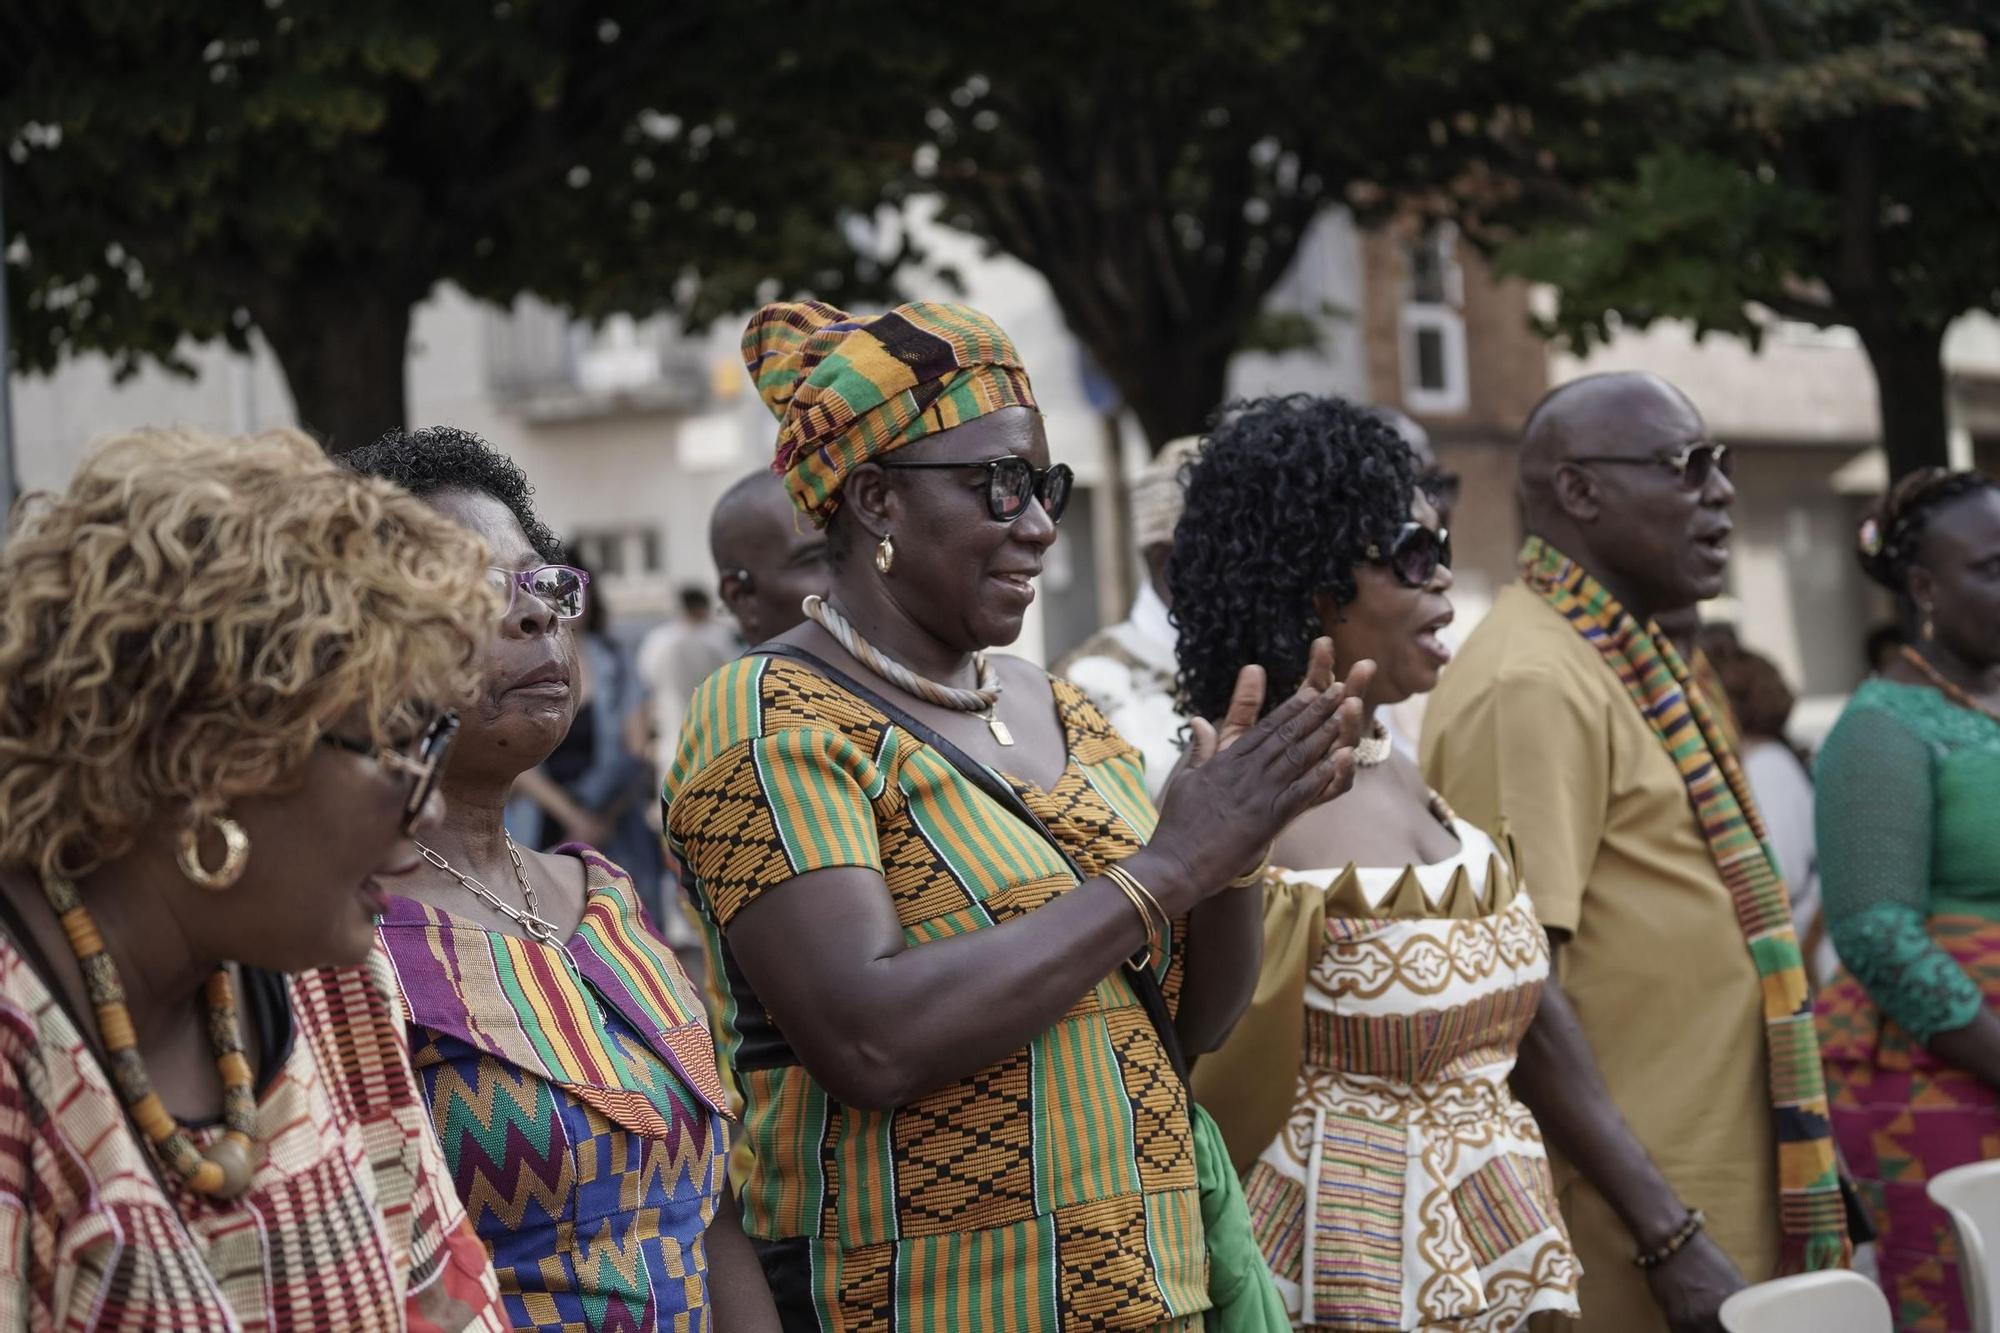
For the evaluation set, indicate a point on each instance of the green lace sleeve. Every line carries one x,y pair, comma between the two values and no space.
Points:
1873,816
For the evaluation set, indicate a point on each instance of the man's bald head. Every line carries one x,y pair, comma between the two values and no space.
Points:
1626,413
1599,482
768,557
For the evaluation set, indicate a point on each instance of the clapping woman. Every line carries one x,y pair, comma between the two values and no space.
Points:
964,952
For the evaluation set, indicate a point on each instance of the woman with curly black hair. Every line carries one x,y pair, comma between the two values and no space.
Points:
1394,1179
1909,856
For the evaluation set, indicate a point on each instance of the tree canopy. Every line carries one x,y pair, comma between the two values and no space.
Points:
1731,162
313,170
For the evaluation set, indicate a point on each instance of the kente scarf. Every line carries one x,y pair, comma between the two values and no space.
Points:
1811,1214
848,388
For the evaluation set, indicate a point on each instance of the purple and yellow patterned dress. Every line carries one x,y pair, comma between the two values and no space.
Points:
574,1090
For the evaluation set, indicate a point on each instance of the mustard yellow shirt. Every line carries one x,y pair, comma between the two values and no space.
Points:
1530,726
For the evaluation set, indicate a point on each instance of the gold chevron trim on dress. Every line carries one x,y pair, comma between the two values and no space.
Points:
1407,901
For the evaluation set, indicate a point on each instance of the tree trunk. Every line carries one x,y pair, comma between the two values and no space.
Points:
343,347
1910,384
1173,389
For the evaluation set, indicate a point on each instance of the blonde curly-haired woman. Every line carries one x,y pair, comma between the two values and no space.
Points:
228,667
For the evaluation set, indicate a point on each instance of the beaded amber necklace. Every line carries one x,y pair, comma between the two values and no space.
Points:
223,1171
1949,688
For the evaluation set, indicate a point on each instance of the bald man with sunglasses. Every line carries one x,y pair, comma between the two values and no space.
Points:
1671,1186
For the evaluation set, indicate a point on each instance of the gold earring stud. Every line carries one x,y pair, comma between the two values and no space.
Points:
235,853
885,553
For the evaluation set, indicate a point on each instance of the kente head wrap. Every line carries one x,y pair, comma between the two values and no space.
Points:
848,388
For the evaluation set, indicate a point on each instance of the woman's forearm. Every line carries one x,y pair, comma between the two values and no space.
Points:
737,1291
1225,943
1975,1048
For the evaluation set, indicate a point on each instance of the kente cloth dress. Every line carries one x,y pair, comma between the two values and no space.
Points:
350,1221
1909,855
1053,1190
574,1090
1409,1189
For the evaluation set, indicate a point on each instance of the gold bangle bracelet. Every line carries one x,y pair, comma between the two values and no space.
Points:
1149,909
1126,885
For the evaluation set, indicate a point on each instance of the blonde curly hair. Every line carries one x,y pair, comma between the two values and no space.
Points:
182,625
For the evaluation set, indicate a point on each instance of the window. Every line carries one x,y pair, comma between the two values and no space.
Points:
616,552
1433,325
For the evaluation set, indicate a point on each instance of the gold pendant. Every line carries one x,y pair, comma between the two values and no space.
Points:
999,729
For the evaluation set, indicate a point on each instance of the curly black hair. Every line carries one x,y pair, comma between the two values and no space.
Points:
1283,502
445,458
1891,537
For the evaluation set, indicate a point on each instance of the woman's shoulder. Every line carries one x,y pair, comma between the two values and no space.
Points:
757,696
1883,711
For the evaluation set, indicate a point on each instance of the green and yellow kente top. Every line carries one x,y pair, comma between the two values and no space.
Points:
1052,1190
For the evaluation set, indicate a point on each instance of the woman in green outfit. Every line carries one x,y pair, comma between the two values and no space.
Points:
962,950
1910,866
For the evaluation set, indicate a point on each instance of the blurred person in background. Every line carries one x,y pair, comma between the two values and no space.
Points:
676,657
1762,703
768,558
1127,669
1909,846
1365,1094
1572,716
229,668
562,1049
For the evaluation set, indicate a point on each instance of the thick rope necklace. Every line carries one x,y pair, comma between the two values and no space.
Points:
222,1170
538,926
980,702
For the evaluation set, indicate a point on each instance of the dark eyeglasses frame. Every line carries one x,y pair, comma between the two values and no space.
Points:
1040,481
1440,487
1680,461
519,585
1412,532
425,769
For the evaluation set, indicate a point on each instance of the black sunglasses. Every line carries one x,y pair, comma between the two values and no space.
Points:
425,768
1693,463
1415,554
1011,482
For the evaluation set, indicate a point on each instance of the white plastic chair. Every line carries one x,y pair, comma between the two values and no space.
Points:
1971,1194
1836,1301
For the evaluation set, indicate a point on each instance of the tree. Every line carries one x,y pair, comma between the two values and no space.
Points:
1732,161
313,170
1160,165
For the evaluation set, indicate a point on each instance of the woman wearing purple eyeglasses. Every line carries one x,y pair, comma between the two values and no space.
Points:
563,1052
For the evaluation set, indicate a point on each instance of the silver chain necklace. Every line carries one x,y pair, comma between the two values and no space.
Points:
532,921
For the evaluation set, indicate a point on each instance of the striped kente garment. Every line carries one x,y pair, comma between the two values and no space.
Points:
1811,1213
350,1221
1409,1188
1054,1189
574,1089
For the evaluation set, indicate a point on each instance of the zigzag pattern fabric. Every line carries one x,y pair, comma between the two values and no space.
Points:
1811,1212
848,388
574,1090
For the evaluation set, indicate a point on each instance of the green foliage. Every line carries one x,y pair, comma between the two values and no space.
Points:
191,168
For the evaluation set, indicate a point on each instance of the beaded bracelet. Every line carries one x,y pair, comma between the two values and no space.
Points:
1674,1243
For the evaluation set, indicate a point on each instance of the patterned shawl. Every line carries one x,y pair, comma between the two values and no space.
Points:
847,388
1811,1213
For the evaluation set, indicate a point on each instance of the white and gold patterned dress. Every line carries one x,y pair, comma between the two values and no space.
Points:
1409,1189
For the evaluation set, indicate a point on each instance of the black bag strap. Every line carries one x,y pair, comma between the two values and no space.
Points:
1144,984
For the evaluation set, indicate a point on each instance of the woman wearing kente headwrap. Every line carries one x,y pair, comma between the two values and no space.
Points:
1909,859
963,951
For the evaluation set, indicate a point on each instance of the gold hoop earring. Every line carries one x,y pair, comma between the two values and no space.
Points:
235,853
885,553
